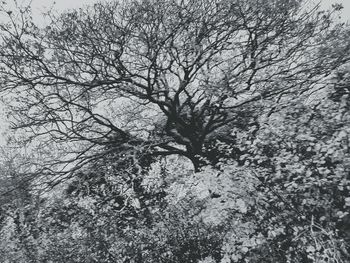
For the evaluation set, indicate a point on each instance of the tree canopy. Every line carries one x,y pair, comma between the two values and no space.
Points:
176,131
167,76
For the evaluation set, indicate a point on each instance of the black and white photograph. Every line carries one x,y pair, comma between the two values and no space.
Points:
174,131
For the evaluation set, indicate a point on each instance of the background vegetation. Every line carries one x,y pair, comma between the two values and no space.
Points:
176,131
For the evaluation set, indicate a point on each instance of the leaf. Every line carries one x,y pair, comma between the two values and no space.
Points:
241,206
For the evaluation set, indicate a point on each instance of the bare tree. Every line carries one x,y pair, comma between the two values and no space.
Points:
158,76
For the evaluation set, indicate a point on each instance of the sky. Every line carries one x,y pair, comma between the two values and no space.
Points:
40,6
345,11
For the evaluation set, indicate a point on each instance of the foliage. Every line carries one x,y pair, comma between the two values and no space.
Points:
101,75
176,131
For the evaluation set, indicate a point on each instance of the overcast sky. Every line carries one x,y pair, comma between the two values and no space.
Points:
41,5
